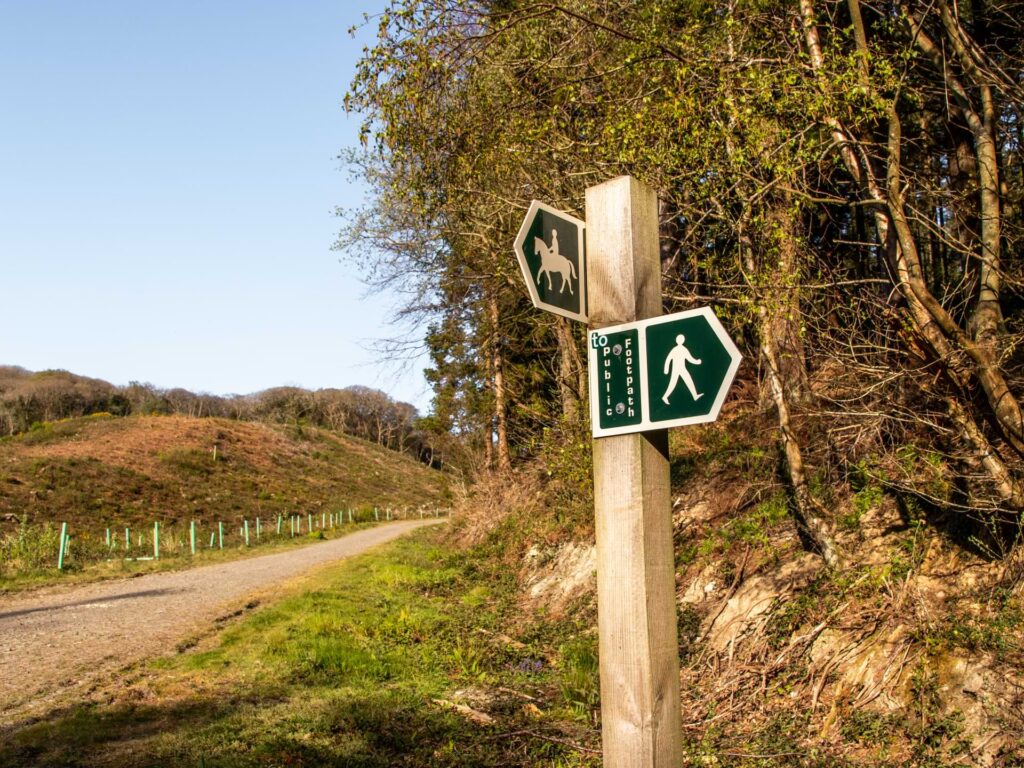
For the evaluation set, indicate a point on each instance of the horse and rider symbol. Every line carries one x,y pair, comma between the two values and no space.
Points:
553,261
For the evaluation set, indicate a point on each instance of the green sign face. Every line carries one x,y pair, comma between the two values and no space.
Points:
686,363
551,254
618,378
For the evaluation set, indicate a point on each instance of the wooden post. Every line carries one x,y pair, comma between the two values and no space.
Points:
636,608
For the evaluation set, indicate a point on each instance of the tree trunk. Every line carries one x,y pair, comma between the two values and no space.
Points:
806,508
781,307
568,367
500,396
778,357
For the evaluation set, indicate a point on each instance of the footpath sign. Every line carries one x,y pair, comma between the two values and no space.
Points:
550,248
645,376
668,371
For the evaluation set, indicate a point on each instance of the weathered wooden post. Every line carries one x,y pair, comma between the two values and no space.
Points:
638,636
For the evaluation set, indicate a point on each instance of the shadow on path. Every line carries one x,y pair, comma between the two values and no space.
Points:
91,601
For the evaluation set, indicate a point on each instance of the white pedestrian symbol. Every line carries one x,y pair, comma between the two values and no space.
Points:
675,368
552,261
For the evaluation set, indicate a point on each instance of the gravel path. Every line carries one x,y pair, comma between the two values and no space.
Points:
61,643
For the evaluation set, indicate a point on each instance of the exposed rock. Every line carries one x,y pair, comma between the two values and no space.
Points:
755,596
556,577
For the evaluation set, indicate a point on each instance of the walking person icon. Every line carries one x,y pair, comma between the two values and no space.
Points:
675,369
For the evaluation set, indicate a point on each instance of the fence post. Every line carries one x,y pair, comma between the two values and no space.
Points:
63,539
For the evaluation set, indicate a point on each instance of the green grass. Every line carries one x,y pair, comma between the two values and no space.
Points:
28,555
349,673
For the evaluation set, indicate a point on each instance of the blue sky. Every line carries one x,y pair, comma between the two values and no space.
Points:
168,177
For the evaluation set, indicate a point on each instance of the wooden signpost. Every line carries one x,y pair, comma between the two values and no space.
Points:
636,609
654,373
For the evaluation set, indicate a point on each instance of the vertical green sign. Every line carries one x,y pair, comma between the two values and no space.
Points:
618,378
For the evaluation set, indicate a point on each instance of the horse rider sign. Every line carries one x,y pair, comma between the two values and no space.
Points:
551,250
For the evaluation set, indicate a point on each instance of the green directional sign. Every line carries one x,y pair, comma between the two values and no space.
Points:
550,248
664,372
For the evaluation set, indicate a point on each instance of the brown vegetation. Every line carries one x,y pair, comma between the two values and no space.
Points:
28,399
100,471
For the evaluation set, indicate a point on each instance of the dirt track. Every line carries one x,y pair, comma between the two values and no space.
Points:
57,645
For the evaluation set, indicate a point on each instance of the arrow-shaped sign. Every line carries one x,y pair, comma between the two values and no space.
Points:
551,250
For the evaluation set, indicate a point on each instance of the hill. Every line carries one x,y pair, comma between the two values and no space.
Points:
100,470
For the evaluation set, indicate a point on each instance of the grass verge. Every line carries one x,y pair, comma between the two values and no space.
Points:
402,657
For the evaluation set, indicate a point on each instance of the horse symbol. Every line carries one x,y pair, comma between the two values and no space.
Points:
552,261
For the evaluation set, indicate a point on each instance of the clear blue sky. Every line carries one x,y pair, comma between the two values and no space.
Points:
168,176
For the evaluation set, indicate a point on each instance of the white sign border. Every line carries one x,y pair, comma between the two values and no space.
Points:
645,424
524,267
